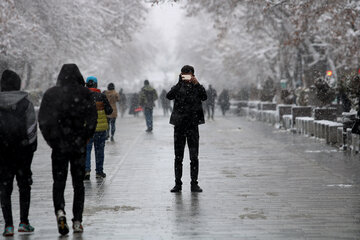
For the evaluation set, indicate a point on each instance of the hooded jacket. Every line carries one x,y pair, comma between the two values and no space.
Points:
67,115
188,99
12,99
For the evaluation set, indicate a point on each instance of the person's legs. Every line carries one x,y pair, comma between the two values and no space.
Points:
179,147
88,154
192,136
99,145
77,169
151,118
24,181
7,174
212,111
112,125
208,110
148,118
60,164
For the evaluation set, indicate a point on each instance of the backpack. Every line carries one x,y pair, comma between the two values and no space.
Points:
13,130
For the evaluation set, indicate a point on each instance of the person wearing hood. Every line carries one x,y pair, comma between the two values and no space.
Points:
148,96
67,120
113,98
18,142
187,114
103,108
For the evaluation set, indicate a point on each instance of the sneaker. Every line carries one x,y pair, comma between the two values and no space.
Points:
61,221
8,231
23,227
77,227
100,175
196,188
176,188
87,176
112,138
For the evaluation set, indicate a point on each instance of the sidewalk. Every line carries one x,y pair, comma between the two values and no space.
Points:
259,183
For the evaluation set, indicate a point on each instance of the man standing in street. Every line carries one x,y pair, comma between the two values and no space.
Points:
148,96
67,120
187,114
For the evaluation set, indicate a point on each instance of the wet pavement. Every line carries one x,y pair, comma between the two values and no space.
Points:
259,183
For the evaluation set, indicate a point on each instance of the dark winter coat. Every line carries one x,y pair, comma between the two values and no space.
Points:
67,115
18,125
187,103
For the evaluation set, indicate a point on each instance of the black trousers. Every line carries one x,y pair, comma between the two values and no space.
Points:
189,134
60,165
15,164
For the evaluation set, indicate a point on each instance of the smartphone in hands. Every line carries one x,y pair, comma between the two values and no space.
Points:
186,77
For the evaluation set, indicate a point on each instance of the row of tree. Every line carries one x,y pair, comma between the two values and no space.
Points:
37,37
297,40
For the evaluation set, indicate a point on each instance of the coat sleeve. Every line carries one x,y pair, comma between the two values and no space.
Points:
48,120
202,92
155,95
91,117
31,127
142,98
172,93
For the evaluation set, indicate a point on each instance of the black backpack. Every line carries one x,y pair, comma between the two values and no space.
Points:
13,130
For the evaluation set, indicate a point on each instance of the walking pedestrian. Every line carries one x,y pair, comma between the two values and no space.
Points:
210,103
67,120
18,142
113,97
134,105
103,108
165,103
122,102
148,96
224,101
187,114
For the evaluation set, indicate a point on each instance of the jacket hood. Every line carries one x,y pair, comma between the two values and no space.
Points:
10,81
10,98
70,75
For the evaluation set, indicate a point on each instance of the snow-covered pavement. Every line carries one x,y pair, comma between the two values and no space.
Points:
258,182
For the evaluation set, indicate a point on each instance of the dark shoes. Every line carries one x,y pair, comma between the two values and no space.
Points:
87,176
112,138
100,175
196,188
175,189
149,130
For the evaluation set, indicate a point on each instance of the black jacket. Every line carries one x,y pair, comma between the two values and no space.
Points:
18,125
67,115
187,103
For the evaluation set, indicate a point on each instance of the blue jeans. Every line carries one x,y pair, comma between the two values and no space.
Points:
111,122
149,118
99,145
